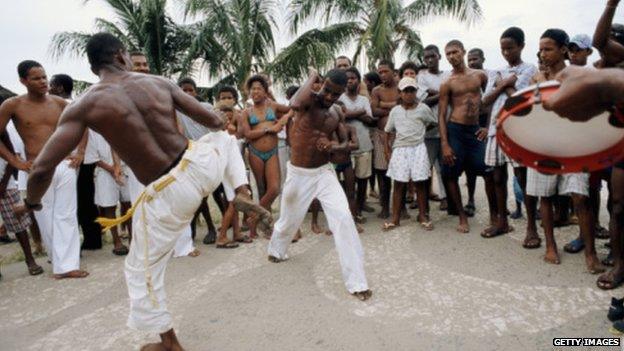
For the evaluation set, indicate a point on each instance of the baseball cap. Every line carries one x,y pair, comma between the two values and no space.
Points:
407,82
583,41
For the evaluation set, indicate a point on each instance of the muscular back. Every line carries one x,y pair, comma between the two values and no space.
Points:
136,115
465,94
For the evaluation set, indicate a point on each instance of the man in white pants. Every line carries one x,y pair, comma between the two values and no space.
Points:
310,176
36,115
135,115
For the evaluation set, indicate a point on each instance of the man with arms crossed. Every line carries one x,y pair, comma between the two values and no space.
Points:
135,113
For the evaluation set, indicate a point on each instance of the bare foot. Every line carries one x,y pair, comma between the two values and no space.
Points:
275,259
531,240
329,232
594,266
72,274
463,228
154,347
194,253
359,228
297,237
317,229
363,295
552,256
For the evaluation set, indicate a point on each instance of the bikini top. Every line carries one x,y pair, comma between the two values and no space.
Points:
269,116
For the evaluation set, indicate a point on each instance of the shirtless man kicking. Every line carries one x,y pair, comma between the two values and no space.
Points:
463,141
36,115
310,175
135,114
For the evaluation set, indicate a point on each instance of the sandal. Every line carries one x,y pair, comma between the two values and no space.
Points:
493,232
228,245
388,226
574,246
36,270
428,225
608,282
602,232
532,243
244,239
122,251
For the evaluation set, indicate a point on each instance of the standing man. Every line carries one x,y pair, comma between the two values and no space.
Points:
36,115
135,114
62,85
384,98
357,111
462,140
310,175
343,63
553,50
429,81
515,76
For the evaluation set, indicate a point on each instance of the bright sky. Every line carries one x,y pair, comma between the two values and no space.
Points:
28,25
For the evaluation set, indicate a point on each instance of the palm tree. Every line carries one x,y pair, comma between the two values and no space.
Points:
234,38
377,27
142,25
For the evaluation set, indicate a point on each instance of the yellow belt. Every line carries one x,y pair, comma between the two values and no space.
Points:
108,223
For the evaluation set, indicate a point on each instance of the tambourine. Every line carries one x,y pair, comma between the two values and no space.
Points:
543,140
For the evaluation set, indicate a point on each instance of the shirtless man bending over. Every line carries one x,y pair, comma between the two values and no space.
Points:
135,113
36,115
310,175
462,139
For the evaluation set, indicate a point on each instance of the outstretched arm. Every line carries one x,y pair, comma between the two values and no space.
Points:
192,108
67,135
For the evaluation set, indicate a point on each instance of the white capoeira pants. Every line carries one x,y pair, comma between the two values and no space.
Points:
58,222
164,210
184,244
302,185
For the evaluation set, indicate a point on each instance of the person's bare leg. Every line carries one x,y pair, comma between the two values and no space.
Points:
315,207
587,226
33,267
257,167
118,246
531,240
169,342
397,200
614,277
490,192
272,181
125,206
454,195
36,235
471,184
228,218
422,197
546,208
501,225
349,184
361,195
385,185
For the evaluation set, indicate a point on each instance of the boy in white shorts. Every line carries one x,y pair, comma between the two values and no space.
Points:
409,159
577,186
110,187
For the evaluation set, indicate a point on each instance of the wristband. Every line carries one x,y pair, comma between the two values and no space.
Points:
32,207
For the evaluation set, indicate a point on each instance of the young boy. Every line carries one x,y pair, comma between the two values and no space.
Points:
409,160
509,79
553,49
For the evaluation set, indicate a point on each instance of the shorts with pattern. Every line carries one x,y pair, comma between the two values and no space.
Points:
540,184
409,163
380,162
495,156
12,222
362,164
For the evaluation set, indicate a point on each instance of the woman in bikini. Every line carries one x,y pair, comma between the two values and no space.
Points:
261,124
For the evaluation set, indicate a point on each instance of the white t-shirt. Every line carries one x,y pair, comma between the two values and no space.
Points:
410,125
428,80
192,129
363,133
90,155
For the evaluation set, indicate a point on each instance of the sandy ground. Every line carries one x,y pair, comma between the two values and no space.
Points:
435,290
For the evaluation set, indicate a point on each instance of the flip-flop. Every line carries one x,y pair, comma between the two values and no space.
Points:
388,226
35,270
244,239
602,232
575,246
228,245
428,226
532,243
608,284
463,230
122,251
494,232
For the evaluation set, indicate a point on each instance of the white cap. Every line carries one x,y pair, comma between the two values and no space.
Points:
406,82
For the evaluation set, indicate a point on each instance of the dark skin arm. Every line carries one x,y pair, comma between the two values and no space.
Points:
612,51
433,97
67,135
304,97
447,153
502,86
192,108
354,143
280,110
7,110
8,170
253,134
378,111
482,132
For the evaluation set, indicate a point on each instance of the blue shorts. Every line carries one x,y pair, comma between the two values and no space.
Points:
469,151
